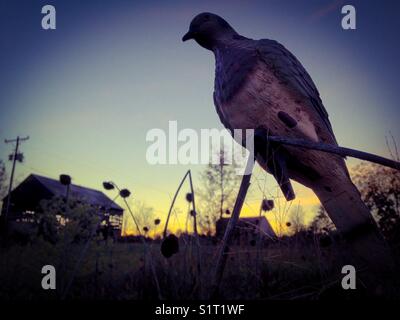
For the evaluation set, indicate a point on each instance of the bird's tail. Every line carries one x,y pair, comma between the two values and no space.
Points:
343,203
352,218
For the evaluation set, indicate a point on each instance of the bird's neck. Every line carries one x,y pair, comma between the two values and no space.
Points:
229,41
223,40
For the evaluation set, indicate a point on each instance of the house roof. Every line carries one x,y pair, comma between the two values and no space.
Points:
92,196
260,223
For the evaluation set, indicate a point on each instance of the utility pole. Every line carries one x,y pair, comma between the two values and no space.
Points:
14,158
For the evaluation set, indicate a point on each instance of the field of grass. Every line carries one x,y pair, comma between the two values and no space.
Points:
290,268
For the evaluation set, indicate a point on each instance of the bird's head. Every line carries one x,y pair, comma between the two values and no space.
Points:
208,29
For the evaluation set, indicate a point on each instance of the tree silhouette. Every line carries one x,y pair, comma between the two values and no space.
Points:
322,223
380,190
218,192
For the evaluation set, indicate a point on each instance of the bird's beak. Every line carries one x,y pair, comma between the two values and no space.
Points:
189,35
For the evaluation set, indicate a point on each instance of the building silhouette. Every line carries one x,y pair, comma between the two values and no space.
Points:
26,201
247,230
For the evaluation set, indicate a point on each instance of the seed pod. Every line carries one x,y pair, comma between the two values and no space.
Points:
65,179
157,221
189,197
267,205
108,185
124,193
170,246
193,213
227,212
288,224
145,229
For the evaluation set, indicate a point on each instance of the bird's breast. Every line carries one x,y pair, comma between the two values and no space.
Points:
264,101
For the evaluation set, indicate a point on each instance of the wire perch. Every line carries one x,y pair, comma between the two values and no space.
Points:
341,151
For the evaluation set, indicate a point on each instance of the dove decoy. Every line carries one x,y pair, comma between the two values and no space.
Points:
261,85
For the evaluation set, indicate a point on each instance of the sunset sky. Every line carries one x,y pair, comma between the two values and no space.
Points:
88,92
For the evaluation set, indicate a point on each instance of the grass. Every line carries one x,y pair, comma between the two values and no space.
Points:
292,268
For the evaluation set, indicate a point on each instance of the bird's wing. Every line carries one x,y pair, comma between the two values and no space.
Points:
290,71
221,116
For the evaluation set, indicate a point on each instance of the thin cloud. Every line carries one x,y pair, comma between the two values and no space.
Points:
325,10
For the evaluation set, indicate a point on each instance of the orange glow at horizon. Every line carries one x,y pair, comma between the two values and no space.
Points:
277,217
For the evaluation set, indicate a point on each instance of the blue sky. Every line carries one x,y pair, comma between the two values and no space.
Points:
88,92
